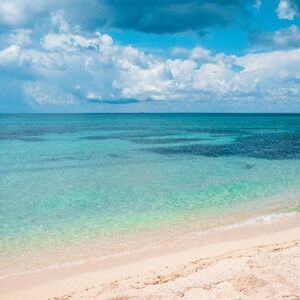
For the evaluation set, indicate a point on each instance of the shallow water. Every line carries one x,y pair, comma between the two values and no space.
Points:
82,185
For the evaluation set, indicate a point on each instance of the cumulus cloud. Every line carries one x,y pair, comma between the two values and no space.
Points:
68,66
282,38
288,9
287,37
18,13
20,37
197,53
10,55
11,13
200,53
42,93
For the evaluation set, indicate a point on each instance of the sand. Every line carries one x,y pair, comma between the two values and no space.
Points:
250,261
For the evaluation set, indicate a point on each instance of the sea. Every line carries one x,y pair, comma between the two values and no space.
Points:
80,186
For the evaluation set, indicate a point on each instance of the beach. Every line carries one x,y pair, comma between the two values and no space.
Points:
248,261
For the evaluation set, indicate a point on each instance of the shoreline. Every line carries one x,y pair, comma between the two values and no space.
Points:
260,219
75,278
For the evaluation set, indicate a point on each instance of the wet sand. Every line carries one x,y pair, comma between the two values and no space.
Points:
247,261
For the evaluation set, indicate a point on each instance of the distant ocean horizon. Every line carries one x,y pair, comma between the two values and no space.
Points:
81,185
150,113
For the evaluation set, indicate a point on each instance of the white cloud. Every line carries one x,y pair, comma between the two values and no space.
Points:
12,13
288,61
257,4
200,53
287,37
43,93
180,51
71,67
17,13
286,10
197,53
20,37
10,55
282,38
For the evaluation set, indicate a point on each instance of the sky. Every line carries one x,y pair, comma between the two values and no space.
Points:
149,56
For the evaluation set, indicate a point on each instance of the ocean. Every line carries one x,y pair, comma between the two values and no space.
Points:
78,186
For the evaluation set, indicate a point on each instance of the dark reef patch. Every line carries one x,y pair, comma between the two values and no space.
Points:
276,146
22,138
147,134
98,138
247,166
151,141
119,156
58,159
128,136
32,139
218,132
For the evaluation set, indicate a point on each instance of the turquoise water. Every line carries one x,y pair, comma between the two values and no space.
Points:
82,185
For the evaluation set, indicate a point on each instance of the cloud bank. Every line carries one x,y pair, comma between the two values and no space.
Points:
68,66
56,54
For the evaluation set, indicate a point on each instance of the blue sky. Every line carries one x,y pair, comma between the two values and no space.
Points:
150,56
